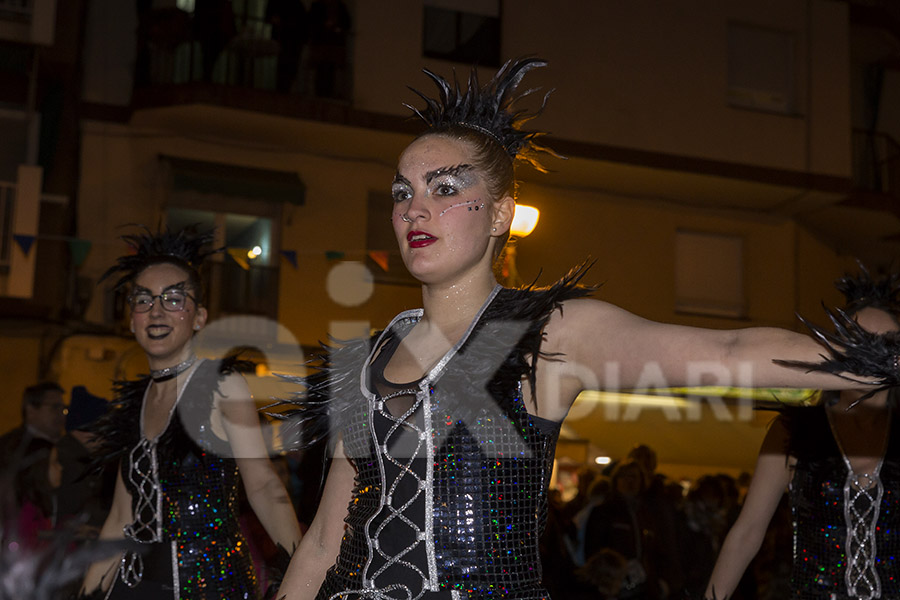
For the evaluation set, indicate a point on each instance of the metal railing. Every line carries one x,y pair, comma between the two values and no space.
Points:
20,9
171,51
876,162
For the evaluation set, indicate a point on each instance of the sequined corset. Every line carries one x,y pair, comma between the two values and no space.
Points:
479,468
194,507
820,528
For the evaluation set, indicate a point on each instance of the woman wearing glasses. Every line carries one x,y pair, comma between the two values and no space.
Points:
185,435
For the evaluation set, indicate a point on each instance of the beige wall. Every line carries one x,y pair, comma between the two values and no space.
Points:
642,74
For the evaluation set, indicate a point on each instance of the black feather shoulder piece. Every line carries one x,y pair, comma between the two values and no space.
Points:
120,428
505,345
319,408
854,353
863,290
503,348
186,246
489,109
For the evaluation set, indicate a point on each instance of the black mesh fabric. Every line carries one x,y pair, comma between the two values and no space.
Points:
199,487
817,505
490,465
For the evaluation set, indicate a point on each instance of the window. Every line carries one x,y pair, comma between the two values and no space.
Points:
245,279
466,31
709,274
244,206
761,69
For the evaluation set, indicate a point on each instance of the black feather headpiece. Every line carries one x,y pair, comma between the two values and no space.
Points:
862,291
187,247
488,109
852,352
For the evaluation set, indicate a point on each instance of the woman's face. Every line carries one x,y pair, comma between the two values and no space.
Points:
445,221
165,335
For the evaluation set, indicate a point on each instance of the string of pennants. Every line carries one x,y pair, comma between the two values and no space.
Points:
80,248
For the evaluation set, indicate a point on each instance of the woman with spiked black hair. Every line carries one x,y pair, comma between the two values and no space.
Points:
840,461
445,424
185,436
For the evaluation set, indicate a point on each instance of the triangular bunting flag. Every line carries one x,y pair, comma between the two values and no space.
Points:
24,242
381,258
291,256
79,250
334,254
240,257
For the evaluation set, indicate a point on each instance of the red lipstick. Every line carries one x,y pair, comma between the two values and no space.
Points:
419,239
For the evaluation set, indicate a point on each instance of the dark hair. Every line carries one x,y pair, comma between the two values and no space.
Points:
485,119
34,394
865,291
185,249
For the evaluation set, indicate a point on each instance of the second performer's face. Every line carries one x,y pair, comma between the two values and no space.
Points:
163,334
876,320
444,218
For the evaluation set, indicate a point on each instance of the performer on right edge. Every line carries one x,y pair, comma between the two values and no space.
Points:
840,461
445,425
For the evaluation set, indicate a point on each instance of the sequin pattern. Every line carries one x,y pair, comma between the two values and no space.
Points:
484,496
199,504
817,494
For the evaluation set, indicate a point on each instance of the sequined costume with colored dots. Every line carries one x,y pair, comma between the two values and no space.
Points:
817,494
450,496
184,488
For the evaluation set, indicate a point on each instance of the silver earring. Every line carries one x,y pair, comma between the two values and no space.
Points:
196,328
494,229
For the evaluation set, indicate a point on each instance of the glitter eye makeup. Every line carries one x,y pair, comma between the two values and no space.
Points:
470,204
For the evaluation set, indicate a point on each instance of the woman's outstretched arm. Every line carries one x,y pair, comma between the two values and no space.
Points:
770,478
601,346
321,544
265,490
102,573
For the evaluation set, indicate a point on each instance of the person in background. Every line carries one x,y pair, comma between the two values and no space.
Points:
85,493
291,30
25,459
186,437
840,461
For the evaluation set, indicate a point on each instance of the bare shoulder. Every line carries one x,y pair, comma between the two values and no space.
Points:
584,319
233,386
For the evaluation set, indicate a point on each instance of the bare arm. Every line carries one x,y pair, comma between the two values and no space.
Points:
265,490
321,544
102,573
605,347
770,478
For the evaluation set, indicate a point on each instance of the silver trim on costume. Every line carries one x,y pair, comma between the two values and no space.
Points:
426,487
149,496
862,506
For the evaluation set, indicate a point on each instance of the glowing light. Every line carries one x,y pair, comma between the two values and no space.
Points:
603,460
524,220
256,251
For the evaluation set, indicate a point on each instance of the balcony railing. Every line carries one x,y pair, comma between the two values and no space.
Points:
16,9
172,49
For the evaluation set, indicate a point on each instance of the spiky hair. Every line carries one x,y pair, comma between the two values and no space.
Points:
488,109
186,247
863,290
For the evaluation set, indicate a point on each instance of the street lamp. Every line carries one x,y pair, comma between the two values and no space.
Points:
524,221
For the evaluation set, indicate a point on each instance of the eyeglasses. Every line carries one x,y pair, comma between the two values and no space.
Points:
172,301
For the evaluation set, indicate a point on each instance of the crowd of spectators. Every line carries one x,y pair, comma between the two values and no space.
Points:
628,533
632,533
